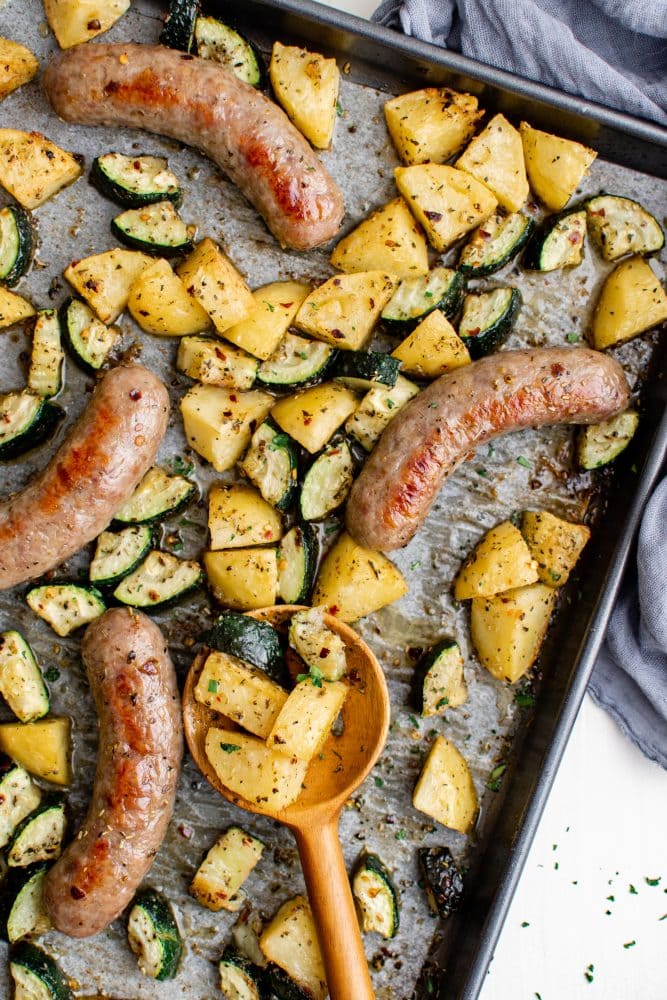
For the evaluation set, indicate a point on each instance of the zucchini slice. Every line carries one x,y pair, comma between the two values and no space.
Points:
40,836
439,682
442,879
297,562
19,795
271,464
17,243
36,975
155,228
599,444
218,880
327,482
21,682
179,25
283,986
119,553
65,606
159,580
26,421
442,288
153,935
296,362
620,226
222,44
133,181
158,494
21,906
377,409
256,642
319,647
240,979
361,370
487,319
45,376
495,243
557,243
89,341
376,897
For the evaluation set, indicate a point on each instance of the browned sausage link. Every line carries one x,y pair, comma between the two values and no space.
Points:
133,682
458,412
95,470
203,104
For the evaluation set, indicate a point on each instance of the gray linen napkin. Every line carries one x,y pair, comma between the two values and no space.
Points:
613,52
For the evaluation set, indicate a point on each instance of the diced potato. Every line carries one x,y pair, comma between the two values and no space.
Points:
431,125
377,409
32,168
276,305
159,303
239,516
445,789
354,581
447,202
244,579
507,630
555,166
433,348
290,940
13,308
495,157
344,310
500,561
213,281
245,695
311,417
214,362
218,423
388,240
306,718
77,21
17,66
43,747
632,301
555,544
105,279
247,767
218,880
306,84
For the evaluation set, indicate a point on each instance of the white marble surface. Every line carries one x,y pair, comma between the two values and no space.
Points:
584,904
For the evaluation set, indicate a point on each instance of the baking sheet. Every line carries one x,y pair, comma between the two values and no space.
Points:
492,486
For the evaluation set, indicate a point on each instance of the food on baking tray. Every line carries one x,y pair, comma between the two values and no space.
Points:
21,682
297,564
487,319
88,340
239,516
250,639
155,229
253,141
135,181
322,650
377,409
445,789
494,244
632,301
459,411
507,629
241,692
388,240
431,124
247,767
296,362
290,940
39,837
313,415
599,444
375,897
119,553
214,284
269,317
555,544
36,974
223,44
13,308
105,279
416,297
305,720
306,85
213,362
77,21
159,581
240,978
439,682
179,26
270,464
555,166
17,66
159,303
500,561
327,482
344,310
19,795
32,168
17,243
244,579
495,157
26,420
447,202
153,935
557,242
43,747
361,370
22,911
47,356
433,348
218,423
442,880
620,226
133,795
353,581
157,495
218,880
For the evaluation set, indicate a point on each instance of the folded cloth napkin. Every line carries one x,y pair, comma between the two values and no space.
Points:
610,51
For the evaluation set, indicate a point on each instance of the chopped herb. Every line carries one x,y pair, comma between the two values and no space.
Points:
379,782
588,973
524,698
315,675
339,109
652,881
442,702
428,295
663,917
400,835
524,462
432,406
414,721
52,674
182,466
611,899
269,305
490,450
632,890
524,923
573,338
415,565
629,944
213,687
303,355
278,441
230,747
331,528
390,404
493,784
482,472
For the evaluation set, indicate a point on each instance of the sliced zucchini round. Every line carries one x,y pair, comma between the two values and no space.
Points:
362,370
256,642
271,464
297,362
17,243
283,986
317,645
22,909
557,243
26,421
297,562
220,43
240,979
155,229
65,606
158,494
119,553
495,243
19,795
153,935
36,975
439,681
40,836
161,579
327,482
21,682
89,341
620,226
442,879
442,288
179,26
134,181
376,897
487,319
45,376
599,444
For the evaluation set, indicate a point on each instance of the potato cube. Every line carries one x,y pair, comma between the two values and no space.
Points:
213,362
276,305
244,694
17,66
43,747
447,202
247,767
105,279
445,789
159,303
388,240
554,543
218,880
555,166
306,84
311,417
76,21
218,423
344,310
13,308
239,516
500,561
495,157
244,579
433,348
354,581
632,301
507,630
290,940
306,718
431,125
32,168
213,281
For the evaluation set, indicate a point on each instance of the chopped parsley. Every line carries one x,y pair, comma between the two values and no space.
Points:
524,698
526,463
632,890
629,944
314,675
400,835
493,784
213,687
230,747
573,338
652,881
482,472
588,973
339,109
415,565
182,466
441,702
379,782
414,721
52,674
524,923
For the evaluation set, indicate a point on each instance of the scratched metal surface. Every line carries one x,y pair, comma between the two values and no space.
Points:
381,817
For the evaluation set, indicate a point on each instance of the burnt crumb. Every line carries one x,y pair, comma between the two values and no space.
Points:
442,879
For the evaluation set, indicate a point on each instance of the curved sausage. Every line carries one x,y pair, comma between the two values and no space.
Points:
201,103
133,682
459,411
93,473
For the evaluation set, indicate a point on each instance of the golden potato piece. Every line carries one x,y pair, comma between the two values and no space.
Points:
431,125
17,66
306,84
495,157
446,201
354,581
507,630
632,301
555,166
500,561
388,240
445,789
77,21
554,543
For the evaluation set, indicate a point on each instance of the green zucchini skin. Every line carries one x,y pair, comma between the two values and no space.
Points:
256,642
235,964
223,44
21,682
297,564
620,226
48,816
430,666
494,330
442,288
327,482
544,250
442,879
179,26
160,494
362,370
26,958
600,444
18,914
139,541
298,362
271,463
70,314
46,419
17,243
140,228
150,591
65,589
160,917
371,868
504,237
283,986
106,175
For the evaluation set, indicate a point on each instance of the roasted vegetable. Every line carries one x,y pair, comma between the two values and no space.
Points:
507,630
495,157
445,789
442,879
306,85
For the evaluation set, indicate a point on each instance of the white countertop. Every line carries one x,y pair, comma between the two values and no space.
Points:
584,903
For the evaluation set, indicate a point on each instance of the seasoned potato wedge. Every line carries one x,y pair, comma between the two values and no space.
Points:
159,303
433,348
311,417
244,579
13,308
238,516
431,125
354,581
218,423
344,310
43,747
276,305
240,692
500,561
554,543
77,21
105,279
377,409
213,281
218,880
632,301
447,202
507,630
290,940
388,240
306,84
445,789
306,718
495,157
213,362
32,168
247,767
555,166
17,66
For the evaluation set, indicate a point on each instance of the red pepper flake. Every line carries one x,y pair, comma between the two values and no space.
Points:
433,216
338,335
77,893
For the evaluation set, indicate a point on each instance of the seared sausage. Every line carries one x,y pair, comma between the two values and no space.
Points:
201,103
92,474
459,411
133,682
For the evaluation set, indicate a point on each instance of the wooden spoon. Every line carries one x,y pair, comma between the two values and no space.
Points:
313,817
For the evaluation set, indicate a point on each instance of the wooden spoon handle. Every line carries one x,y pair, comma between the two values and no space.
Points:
333,910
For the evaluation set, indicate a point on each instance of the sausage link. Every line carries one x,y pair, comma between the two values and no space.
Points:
133,683
201,103
95,470
459,411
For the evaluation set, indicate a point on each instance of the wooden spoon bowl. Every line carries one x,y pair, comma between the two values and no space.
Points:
332,777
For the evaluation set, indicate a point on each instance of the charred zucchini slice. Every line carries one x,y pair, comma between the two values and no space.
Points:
179,25
442,879
297,562
319,647
241,979
271,465
40,836
599,444
89,341
557,243
327,482
133,181
283,986
487,319
256,642
362,370
153,935
17,243
160,580
119,553
494,244
26,421
36,975
442,288
65,606
223,44
158,494
21,682
297,362
439,682
21,907
376,897
156,229
620,226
